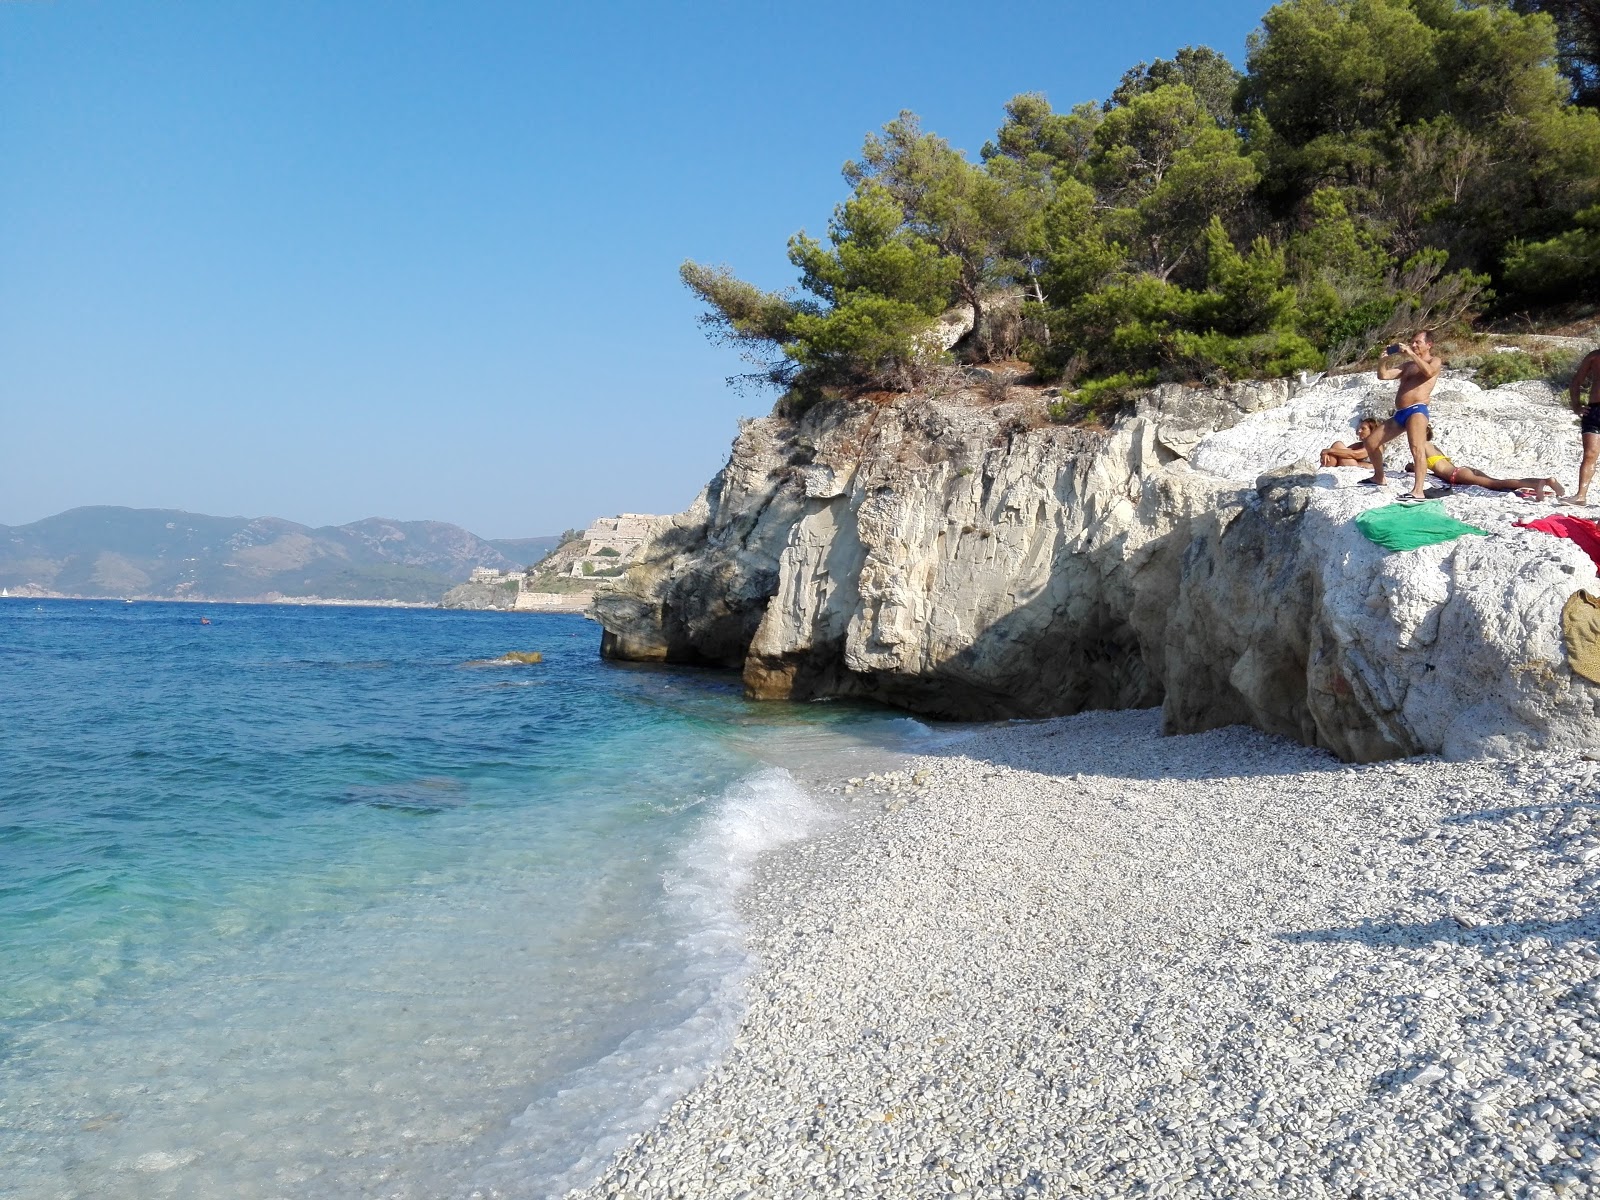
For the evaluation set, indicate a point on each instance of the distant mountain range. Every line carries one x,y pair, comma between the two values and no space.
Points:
167,554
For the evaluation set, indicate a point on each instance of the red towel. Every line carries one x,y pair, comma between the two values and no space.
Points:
1585,533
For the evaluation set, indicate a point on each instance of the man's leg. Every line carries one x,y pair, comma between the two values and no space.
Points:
1374,441
1591,455
1417,435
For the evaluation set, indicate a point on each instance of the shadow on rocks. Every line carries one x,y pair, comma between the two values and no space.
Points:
1109,745
1417,935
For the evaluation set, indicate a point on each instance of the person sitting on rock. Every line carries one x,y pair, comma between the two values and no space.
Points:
1340,455
1440,465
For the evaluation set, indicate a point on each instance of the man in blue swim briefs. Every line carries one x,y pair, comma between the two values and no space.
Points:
1585,397
1417,378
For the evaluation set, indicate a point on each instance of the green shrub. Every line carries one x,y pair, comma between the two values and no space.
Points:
608,552
1508,367
1269,355
1100,395
1512,366
1356,323
1565,266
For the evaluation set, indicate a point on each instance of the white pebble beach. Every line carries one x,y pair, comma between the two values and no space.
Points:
1076,958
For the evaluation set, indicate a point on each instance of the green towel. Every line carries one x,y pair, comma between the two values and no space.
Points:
1408,526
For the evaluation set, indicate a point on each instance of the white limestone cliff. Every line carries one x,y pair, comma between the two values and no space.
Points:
964,558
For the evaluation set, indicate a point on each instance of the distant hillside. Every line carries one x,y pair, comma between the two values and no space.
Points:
525,551
164,553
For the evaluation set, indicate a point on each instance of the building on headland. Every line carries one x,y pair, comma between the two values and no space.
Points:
624,533
612,543
565,579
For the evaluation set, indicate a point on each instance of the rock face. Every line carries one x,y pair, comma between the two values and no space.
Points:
1292,621
482,595
959,556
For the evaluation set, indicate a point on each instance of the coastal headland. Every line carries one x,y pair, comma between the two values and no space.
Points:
953,551
563,580
1301,902
1077,958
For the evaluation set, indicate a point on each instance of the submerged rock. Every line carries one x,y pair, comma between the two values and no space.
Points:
967,559
510,658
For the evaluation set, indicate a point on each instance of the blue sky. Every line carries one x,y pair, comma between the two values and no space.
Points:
326,261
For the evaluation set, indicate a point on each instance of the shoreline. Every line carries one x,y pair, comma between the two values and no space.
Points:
280,602
1083,959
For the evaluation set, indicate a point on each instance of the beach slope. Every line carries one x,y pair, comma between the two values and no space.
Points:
1078,958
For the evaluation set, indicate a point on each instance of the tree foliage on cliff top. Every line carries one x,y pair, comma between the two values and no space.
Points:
1379,164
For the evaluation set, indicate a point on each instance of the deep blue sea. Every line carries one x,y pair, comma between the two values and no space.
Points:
305,903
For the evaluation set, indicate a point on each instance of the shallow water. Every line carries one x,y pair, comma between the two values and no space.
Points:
298,903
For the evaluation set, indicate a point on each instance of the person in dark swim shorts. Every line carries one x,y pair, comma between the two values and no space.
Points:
1587,377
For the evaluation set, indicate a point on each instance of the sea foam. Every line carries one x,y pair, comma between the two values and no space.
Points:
564,1139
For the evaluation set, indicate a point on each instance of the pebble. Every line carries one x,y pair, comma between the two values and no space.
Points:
1075,958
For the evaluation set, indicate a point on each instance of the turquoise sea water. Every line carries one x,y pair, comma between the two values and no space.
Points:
300,903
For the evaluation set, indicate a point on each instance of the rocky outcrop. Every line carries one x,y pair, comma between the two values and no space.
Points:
960,556
500,594
1292,621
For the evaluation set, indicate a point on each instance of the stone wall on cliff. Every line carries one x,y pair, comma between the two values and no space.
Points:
959,556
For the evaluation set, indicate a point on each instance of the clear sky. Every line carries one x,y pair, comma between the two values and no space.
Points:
348,258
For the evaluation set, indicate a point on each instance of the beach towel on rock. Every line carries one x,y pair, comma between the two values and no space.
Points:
1409,526
1580,632
1585,533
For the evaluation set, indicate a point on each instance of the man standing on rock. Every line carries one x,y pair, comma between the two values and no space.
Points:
1588,373
1417,378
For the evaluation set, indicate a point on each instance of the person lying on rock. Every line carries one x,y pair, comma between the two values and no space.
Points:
1340,455
1417,378
1587,379
1440,465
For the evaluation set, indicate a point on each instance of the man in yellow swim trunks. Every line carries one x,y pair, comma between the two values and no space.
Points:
1417,378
